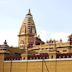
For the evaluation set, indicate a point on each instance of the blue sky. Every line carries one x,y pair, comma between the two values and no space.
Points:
53,18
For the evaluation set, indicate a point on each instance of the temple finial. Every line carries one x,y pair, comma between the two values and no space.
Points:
5,42
29,12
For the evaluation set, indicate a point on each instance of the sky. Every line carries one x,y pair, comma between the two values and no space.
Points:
53,19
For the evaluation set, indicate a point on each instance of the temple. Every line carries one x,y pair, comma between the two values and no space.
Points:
31,47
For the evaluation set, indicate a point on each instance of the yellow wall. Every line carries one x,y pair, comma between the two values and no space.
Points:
1,66
36,66
1,56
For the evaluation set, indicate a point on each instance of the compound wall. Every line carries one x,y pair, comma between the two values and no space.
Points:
37,66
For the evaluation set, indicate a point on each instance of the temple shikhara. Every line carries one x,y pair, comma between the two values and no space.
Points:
31,47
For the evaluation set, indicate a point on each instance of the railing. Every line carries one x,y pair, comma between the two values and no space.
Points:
66,44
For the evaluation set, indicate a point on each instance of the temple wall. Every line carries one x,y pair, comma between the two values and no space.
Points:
1,66
37,66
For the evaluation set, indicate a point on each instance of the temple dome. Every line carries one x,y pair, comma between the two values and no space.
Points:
28,25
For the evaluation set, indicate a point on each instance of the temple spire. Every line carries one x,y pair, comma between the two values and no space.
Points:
29,12
27,30
5,42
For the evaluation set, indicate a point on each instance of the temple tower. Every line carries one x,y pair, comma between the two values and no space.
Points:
27,32
4,51
70,39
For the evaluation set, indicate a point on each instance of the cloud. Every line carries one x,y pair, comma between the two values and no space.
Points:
11,38
45,35
60,35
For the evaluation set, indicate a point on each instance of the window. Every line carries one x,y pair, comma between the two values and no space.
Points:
22,33
64,50
52,57
61,56
51,49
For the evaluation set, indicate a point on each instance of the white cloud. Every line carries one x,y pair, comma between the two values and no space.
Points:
44,35
60,35
11,38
